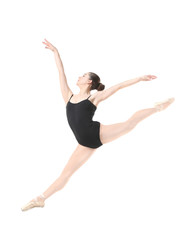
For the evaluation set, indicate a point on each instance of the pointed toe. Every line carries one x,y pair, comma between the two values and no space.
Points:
32,204
160,105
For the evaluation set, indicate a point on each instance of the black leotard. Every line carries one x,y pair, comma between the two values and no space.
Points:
79,116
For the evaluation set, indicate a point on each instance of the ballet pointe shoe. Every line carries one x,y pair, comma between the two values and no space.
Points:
33,203
161,105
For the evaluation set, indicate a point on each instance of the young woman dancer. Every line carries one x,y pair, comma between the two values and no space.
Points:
90,134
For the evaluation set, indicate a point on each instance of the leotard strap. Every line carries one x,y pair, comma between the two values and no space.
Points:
71,97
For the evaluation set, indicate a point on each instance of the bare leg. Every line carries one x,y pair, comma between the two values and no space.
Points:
77,159
111,132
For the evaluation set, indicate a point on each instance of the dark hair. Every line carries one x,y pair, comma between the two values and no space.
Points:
96,84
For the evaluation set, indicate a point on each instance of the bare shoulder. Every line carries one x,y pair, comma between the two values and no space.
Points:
70,93
95,97
67,96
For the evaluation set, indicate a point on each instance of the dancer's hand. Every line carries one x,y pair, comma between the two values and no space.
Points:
49,45
147,77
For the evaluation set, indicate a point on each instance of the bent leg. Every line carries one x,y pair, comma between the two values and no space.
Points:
111,132
77,159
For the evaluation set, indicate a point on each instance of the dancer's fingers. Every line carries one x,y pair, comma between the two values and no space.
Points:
47,44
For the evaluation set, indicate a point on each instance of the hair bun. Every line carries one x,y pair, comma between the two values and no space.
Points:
100,87
96,84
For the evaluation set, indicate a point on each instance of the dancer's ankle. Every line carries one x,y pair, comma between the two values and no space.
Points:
42,196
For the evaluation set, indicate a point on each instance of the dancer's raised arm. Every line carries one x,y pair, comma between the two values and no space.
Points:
65,89
135,80
102,95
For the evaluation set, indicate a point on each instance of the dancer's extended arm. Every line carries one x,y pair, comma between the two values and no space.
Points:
65,89
128,83
102,95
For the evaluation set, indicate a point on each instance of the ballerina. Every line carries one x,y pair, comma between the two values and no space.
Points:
90,134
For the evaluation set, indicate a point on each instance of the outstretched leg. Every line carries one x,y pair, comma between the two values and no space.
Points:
77,159
111,132
108,133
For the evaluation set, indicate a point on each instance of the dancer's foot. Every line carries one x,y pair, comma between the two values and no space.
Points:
164,104
35,202
40,198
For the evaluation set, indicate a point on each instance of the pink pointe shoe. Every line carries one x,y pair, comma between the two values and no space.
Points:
164,104
34,203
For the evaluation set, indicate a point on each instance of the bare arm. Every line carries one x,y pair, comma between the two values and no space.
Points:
65,90
102,95
129,82
110,91
58,61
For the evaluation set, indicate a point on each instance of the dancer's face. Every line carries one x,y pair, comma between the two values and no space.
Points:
84,79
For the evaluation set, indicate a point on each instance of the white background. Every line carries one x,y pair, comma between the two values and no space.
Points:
139,186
